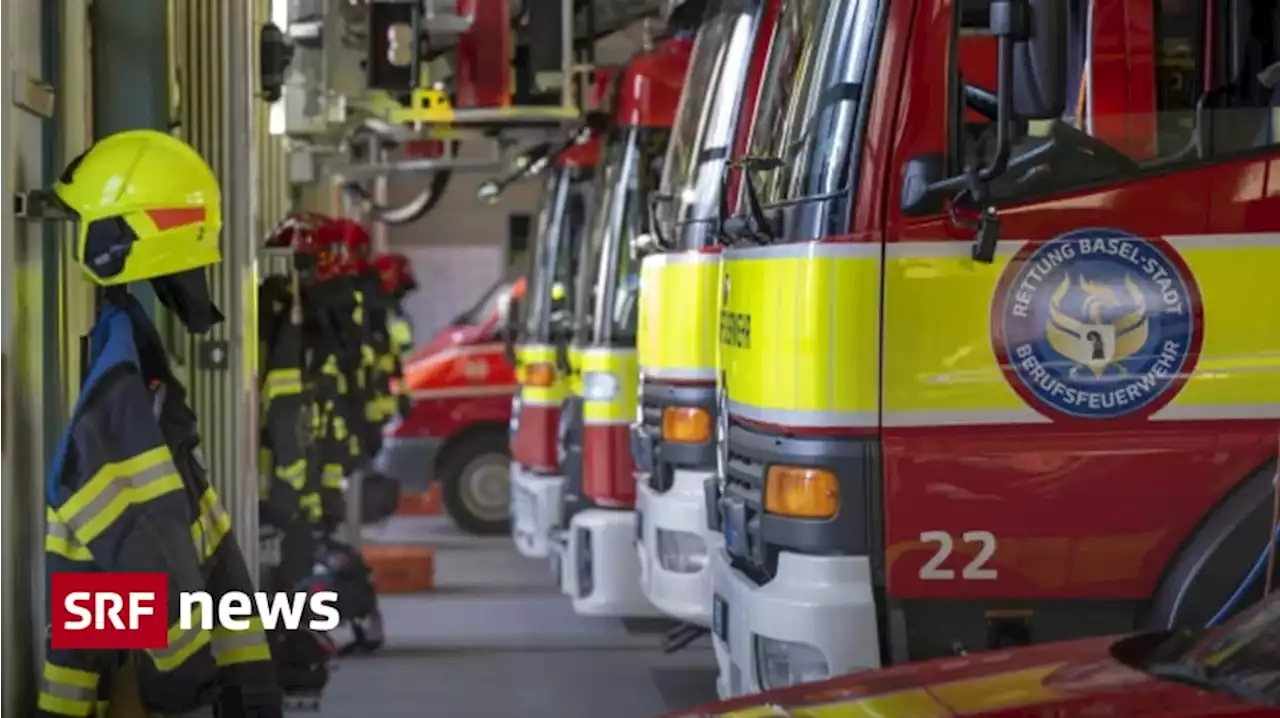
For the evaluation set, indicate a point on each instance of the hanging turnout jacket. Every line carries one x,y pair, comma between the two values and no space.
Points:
380,360
400,334
332,364
127,492
284,420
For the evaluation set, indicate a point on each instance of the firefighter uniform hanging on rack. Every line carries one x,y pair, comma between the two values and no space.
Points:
333,345
362,338
127,490
327,299
302,657
394,278
285,417
397,273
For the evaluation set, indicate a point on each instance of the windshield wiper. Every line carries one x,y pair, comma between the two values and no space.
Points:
1198,677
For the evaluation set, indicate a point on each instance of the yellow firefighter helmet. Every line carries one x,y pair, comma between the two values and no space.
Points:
148,206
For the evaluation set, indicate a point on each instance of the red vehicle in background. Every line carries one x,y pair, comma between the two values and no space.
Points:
1232,671
460,386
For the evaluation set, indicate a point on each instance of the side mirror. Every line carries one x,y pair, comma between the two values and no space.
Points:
1039,54
530,157
489,191
1031,85
644,244
505,304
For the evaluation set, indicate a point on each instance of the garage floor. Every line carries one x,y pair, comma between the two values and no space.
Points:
498,639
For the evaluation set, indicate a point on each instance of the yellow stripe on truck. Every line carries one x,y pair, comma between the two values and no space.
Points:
799,333
966,696
938,353
613,368
679,301
916,703
1238,375
997,692
941,368
554,395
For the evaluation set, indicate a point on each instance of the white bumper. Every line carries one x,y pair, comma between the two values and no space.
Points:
824,603
598,566
535,510
675,571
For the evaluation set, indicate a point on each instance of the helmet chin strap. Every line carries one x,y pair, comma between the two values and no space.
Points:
186,294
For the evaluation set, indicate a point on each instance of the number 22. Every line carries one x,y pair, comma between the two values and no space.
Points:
976,570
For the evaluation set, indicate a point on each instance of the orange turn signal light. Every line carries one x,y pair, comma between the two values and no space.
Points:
802,492
686,424
540,375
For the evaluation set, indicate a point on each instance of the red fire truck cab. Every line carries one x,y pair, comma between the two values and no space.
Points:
999,363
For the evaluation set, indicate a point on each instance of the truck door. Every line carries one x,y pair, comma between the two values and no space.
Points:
1058,421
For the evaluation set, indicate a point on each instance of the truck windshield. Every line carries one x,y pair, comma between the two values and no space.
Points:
560,226
480,312
817,80
604,303
694,168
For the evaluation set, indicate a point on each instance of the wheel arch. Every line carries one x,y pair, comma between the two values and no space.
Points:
1217,554
461,439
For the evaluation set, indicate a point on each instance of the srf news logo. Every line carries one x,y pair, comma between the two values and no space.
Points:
130,611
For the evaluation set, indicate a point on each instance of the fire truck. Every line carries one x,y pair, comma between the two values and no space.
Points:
674,440
459,385
543,320
999,362
593,549
463,382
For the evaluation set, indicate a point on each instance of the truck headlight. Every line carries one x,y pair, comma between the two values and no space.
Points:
599,386
681,551
787,663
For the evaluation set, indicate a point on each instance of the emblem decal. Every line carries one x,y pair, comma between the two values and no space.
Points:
1097,324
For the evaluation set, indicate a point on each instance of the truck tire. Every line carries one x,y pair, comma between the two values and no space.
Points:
476,484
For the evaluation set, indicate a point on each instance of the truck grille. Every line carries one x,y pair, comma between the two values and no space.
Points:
742,514
650,431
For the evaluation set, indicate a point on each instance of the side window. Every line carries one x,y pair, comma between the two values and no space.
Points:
651,152
1192,81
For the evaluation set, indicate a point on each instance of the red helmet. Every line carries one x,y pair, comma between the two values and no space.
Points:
286,234
303,233
388,272
395,273
407,282
352,240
